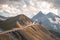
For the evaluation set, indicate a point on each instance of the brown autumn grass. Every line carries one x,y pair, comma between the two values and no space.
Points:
33,32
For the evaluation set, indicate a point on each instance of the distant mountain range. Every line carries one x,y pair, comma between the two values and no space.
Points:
50,21
3,18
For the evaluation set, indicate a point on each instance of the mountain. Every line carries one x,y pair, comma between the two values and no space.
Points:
52,15
26,30
14,22
38,15
54,21
3,18
31,32
49,21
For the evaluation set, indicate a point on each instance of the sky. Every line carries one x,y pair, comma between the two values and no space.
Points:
28,7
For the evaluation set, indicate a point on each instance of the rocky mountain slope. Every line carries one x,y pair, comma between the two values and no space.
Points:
14,22
50,21
32,32
27,30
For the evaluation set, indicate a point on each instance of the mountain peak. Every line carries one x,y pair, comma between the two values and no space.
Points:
21,15
50,14
38,15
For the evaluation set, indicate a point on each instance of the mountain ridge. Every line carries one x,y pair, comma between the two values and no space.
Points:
21,20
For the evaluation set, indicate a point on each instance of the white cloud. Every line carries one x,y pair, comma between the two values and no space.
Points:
27,7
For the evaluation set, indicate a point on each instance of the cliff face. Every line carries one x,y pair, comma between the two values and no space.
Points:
27,30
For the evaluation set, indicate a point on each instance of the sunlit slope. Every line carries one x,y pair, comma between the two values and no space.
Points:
37,32
32,32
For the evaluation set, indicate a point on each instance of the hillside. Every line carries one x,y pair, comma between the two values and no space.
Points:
22,28
14,22
32,32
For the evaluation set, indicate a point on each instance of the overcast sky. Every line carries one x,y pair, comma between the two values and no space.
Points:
16,7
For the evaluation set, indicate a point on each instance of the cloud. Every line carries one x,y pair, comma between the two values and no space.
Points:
7,1
56,3
16,7
14,0
3,1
